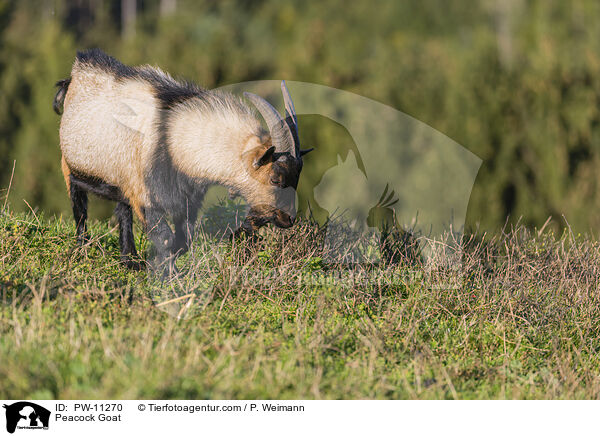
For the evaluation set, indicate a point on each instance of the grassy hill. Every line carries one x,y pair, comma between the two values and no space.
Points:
523,322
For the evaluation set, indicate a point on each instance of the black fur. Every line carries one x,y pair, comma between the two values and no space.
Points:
170,188
172,193
98,187
169,91
163,239
79,203
172,93
167,245
126,240
59,97
175,194
97,58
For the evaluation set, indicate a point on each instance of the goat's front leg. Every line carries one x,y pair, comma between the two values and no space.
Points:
184,232
163,239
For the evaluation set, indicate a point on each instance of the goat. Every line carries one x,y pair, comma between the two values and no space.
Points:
182,140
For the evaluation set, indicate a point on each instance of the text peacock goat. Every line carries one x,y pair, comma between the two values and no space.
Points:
182,140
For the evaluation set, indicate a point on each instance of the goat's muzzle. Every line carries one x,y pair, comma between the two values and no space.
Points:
262,215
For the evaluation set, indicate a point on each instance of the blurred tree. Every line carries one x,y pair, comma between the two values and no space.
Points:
35,145
167,7
517,82
128,17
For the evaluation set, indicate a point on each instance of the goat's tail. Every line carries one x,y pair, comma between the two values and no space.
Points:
59,98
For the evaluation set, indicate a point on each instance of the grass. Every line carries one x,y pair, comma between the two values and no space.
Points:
523,322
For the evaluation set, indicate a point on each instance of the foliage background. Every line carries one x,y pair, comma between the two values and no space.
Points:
516,82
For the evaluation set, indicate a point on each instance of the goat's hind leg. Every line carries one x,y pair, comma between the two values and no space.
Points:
79,203
126,239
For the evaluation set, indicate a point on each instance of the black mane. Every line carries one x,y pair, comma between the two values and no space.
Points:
168,91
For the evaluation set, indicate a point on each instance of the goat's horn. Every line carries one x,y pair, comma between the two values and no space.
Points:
290,113
290,110
281,134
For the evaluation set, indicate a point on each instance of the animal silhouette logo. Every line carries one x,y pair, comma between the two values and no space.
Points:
26,415
382,215
397,243
371,146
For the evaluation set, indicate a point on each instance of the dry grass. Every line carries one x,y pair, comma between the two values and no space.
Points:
518,317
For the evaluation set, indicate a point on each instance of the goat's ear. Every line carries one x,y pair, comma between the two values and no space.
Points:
303,152
265,158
